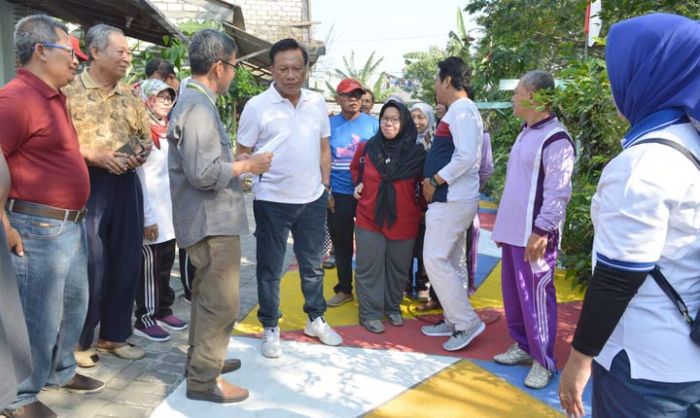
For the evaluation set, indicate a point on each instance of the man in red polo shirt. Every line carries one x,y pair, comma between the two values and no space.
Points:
44,213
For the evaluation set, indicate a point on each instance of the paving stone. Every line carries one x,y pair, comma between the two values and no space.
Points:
116,410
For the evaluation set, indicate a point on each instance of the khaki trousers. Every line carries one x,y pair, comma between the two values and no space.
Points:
215,304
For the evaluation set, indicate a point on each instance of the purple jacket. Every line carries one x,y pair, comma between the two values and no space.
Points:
538,183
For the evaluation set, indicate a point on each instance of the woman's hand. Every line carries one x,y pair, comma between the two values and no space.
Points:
357,194
573,380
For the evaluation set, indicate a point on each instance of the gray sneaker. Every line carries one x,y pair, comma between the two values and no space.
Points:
461,339
441,329
373,325
395,320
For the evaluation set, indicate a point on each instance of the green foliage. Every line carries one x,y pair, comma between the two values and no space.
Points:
522,35
363,74
422,66
243,86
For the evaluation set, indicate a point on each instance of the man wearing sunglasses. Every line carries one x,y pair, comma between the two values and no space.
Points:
44,214
348,129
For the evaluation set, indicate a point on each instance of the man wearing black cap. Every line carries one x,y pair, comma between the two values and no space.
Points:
348,129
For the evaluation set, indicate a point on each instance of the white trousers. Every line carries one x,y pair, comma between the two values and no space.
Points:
446,227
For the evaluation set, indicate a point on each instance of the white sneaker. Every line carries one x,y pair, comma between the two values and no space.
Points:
441,329
538,377
271,347
462,338
319,328
513,355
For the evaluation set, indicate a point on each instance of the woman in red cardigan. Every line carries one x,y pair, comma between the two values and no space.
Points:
387,170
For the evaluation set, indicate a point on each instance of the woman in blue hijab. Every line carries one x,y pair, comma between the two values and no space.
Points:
631,337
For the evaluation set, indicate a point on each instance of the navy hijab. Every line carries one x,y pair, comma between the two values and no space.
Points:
654,68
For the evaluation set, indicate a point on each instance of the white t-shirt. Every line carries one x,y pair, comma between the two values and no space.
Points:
294,134
646,211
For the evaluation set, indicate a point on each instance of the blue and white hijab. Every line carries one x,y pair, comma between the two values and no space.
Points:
654,70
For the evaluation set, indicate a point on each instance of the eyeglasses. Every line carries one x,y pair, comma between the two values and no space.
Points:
234,66
70,50
353,94
166,98
392,121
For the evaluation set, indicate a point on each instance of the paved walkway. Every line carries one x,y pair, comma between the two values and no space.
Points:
135,388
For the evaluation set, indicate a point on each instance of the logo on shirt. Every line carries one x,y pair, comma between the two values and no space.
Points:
348,151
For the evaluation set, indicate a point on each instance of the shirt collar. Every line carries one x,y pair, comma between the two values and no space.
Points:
211,94
653,122
91,84
541,123
37,84
277,97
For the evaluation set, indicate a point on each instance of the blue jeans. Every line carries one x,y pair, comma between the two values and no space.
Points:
307,223
53,288
616,394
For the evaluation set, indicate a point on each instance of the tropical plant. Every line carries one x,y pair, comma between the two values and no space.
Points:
364,74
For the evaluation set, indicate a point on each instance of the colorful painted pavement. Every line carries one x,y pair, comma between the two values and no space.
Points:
400,373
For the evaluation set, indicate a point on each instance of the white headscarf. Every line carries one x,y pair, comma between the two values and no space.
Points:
427,111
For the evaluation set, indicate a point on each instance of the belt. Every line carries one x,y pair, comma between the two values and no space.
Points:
35,209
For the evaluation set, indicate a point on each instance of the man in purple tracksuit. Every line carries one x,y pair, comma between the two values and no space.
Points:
533,205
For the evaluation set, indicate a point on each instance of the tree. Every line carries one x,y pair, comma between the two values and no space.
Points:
363,74
522,35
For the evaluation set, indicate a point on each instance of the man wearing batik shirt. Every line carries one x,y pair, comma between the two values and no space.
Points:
115,138
533,205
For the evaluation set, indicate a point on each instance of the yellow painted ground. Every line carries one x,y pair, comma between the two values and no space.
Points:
488,295
464,390
487,205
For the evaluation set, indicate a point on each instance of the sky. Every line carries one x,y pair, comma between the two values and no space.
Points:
389,27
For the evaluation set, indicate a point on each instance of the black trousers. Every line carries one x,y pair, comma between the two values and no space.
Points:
419,278
341,227
155,297
187,272
114,226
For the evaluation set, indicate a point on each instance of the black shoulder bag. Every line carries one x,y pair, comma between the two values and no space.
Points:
656,273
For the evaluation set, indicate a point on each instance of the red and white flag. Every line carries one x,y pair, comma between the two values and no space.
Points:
593,21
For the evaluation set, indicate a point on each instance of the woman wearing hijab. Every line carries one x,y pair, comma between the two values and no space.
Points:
387,170
155,297
631,336
424,119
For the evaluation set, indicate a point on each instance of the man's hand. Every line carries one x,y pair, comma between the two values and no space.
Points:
573,380
331,202
428,190
150,233
536,246
134,161
357,194
14,241
242,157
114,162
259,163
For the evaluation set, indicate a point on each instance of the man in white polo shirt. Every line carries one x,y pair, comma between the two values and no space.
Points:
292,196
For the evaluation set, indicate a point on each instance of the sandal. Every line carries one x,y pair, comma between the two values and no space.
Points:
428,306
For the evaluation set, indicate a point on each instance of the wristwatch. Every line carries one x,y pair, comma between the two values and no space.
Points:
433,181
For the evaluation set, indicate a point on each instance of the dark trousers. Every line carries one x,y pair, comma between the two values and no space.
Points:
616,394
187,273
341,226
155,297
114,226
418,277
274,221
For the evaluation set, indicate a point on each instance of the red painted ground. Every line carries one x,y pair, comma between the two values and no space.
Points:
494,340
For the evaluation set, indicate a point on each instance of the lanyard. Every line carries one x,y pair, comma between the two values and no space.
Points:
201,90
